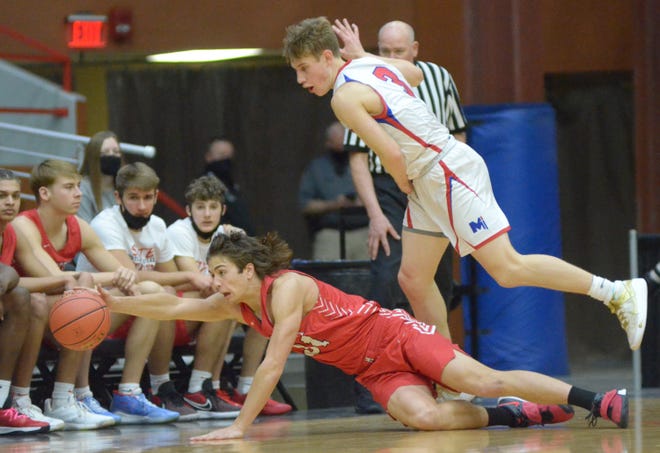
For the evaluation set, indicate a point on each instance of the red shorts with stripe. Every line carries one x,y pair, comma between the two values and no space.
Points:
413,358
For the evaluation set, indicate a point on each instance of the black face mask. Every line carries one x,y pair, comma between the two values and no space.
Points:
200,233
110,165
339,162
133,222
222,169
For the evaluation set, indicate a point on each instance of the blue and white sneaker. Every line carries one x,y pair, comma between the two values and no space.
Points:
95,407
137,409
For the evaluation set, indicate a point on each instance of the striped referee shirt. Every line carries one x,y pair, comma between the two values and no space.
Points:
439,93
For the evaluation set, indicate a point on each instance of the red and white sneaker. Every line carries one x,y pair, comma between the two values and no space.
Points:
13,422
529,414
272,407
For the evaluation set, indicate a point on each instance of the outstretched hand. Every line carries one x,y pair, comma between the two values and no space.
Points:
230,432
350,36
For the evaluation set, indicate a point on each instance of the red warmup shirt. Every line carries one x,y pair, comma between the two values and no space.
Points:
343,330
73,242
8,245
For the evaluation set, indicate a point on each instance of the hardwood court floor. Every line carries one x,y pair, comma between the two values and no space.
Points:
340,430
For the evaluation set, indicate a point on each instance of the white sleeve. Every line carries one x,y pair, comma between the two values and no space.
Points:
112,234
164,246
182,244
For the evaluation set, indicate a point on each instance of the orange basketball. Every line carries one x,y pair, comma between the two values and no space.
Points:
80,320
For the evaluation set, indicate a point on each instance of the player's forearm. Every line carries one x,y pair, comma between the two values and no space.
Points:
395,165
165,278
265,380
364,186
161,306
52,284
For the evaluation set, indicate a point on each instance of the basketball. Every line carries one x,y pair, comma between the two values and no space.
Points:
80,320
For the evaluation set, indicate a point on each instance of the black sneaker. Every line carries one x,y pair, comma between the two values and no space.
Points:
209,405
529,414
168,398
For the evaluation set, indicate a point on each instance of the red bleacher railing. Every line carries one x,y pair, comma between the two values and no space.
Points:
51,56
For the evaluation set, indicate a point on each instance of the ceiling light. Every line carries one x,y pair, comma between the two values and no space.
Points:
203,55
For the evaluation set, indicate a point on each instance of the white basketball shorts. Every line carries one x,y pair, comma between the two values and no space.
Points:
455,198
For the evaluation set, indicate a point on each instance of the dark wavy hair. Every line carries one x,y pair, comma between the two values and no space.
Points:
268,253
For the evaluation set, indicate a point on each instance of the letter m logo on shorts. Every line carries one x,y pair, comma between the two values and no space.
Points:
480,224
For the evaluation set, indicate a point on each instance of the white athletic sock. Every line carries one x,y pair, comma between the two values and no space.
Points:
197,377
82,392
4,391
216,384
244,384
62,392
129,388
156,380
602,289
17,392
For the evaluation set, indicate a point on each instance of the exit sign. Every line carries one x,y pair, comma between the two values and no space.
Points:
86,31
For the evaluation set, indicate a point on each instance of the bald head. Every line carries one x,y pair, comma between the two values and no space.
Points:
396,39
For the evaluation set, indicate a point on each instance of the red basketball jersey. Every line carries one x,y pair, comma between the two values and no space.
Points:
73,242
343,330
8,245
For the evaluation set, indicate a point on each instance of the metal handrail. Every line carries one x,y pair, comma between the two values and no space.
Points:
146,151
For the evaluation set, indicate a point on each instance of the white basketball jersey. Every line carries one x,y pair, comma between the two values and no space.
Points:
405,117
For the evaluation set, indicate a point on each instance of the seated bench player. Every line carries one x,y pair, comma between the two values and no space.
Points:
49,237
190,239
138,240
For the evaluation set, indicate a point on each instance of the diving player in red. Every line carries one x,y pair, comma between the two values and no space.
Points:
393,355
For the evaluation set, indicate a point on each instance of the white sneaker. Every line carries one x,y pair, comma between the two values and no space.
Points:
23,405
76,416
630,308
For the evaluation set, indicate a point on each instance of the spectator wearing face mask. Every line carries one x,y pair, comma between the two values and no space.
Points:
219,158
103,158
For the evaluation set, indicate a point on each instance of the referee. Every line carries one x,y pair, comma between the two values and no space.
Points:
384,202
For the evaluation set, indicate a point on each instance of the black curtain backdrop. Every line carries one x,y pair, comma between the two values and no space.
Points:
597,198
275,125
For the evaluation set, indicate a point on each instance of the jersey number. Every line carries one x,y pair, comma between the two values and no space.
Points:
385,74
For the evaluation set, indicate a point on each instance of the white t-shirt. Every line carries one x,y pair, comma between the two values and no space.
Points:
185,242
146,247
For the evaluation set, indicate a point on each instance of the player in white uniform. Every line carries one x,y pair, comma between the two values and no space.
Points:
447,182
190,239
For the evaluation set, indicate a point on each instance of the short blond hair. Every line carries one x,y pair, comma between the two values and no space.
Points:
46,173
310,37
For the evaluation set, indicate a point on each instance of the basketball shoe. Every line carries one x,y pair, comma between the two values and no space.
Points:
76,416
209,404
630,308
136,408
526,413
272,407
612,406
13,422
95,407
24,406
168,398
